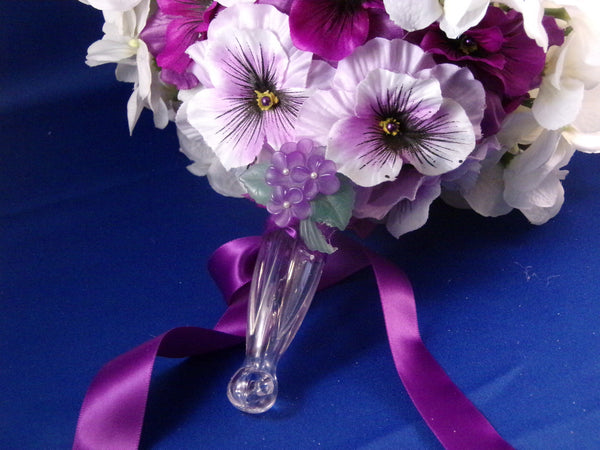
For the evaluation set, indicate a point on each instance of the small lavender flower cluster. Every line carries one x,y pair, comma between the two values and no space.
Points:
297,174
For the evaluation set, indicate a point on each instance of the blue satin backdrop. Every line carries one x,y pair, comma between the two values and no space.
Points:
104,242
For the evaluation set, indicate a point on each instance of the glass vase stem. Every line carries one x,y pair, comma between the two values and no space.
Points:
285,279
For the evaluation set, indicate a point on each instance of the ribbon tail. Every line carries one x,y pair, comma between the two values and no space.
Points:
450,415
113,410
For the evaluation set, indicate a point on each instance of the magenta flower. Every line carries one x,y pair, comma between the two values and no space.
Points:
332,29
189,20
288,205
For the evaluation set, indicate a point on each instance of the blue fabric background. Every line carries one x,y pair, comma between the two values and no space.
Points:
103,245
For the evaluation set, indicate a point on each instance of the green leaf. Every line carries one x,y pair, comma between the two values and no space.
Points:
335,210
558,13
313,237
253,180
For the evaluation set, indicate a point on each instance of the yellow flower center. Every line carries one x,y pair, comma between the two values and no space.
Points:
390,126
266,100
134,43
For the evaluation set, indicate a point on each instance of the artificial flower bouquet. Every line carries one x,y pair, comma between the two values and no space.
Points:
326,111
346,114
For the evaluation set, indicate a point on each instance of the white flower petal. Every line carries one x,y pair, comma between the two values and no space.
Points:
555,108
225,182
449,145
486,197
320,112
112,5
533,13
413,14
533,178
109,50
585,142
134,109
460,15
396,55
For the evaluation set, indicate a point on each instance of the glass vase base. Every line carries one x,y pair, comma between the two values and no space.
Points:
252,390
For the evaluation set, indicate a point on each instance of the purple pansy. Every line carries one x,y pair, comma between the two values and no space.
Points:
390,104
254,82
332,29
288,205
500,55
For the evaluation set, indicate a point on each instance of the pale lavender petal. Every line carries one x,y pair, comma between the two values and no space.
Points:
356,157
396,55
408,215
320,112
328,184
451,139
399,89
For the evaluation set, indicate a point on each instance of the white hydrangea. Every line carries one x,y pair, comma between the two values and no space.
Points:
531,180
570,94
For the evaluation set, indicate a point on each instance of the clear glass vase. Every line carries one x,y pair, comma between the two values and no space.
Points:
285,279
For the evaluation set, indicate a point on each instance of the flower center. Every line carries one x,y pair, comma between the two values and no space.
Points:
134,43
314,175
390,126
266,100
286,205
467,45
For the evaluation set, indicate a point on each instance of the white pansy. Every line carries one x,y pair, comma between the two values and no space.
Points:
121,45
569,95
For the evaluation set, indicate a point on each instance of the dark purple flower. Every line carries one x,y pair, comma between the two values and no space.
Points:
499,54
332,29
288,205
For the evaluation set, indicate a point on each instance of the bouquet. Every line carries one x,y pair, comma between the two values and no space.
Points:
338,115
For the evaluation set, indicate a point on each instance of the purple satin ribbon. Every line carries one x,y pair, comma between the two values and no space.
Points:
113,410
